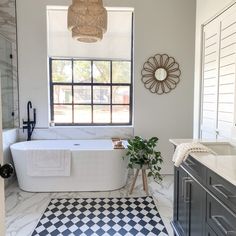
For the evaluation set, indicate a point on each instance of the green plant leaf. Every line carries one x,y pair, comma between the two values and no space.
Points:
149,174
142,152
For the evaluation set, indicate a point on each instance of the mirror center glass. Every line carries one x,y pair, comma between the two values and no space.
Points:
160,74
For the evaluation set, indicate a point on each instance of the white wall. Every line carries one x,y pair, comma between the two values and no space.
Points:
206,10
160,27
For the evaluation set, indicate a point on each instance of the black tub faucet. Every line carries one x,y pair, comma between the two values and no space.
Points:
29,125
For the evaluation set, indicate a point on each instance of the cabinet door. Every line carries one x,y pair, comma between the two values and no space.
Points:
181,206
220,218
197,198
209,231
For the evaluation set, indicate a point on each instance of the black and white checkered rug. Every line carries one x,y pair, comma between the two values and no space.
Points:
101,216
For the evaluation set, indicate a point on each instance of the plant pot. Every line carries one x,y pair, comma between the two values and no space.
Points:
144,167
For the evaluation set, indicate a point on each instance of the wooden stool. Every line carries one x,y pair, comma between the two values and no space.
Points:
144,177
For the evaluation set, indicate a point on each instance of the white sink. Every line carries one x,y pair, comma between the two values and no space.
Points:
221,148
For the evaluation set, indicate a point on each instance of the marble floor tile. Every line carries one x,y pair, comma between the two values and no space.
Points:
24,209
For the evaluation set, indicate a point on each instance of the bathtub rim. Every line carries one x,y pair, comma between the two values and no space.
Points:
24,145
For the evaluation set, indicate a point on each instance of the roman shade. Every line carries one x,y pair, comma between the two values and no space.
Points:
116,43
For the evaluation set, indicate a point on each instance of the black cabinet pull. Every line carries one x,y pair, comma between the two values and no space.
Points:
187,198
183,185
187,189
217,220
222,190
188,162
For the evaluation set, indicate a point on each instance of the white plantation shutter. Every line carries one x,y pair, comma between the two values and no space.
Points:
219,75
116,43
227,67
210,81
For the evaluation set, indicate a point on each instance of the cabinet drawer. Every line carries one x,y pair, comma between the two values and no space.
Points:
221,188
219,218
196,169
209,231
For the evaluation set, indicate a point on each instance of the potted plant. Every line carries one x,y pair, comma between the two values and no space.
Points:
142,154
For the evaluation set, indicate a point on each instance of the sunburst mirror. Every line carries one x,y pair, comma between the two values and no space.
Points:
160,74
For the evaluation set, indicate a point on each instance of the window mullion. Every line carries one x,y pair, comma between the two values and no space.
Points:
51,90
131,74
72,87
92,91
111,92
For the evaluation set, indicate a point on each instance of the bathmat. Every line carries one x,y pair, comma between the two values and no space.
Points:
101,216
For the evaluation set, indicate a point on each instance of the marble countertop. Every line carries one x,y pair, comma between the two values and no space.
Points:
223,165
179,141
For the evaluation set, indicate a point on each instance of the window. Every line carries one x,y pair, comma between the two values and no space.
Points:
85,92
91,84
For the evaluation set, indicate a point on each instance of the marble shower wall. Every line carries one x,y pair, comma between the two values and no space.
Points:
6,77
8,30
94,132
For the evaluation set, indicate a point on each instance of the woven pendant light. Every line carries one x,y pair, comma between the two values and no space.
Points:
87,19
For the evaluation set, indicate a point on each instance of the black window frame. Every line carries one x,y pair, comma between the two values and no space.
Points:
110,84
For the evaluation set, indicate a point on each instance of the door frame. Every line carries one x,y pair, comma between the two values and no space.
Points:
2,188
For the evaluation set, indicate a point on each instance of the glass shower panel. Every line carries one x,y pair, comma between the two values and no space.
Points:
6,76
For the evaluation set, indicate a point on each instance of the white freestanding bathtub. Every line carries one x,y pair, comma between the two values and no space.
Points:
95,166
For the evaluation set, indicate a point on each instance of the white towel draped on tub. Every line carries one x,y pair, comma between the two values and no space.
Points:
49,162
183,150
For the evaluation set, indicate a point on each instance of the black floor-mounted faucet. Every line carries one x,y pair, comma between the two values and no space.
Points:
29,125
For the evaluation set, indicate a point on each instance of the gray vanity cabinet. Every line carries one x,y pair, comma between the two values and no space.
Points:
209,231
204,202
181,208
219,218
197,206
188,205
